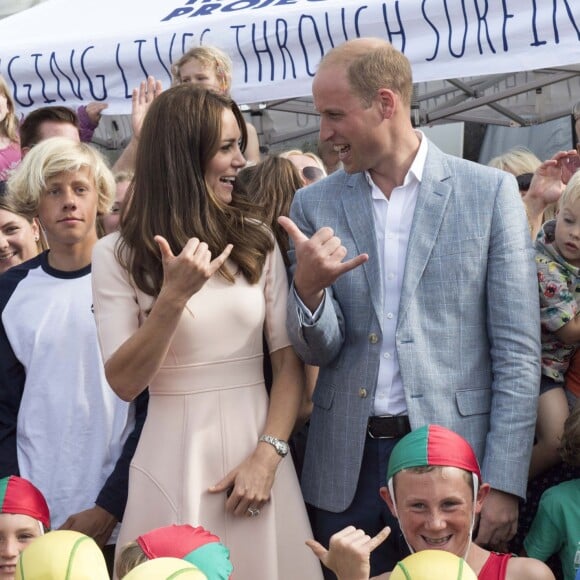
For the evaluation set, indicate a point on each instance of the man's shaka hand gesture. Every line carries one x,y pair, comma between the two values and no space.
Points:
319,261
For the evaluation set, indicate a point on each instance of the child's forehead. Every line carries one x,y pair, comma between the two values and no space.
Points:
571,205
204,62
20,521
83,173
428,475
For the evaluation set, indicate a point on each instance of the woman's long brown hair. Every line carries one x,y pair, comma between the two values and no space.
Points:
169,196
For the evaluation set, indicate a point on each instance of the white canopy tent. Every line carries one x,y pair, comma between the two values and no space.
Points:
9,7
511,62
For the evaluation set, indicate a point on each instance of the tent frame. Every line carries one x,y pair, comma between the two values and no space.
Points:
490,99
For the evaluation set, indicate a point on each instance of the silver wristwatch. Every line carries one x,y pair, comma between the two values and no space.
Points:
280,446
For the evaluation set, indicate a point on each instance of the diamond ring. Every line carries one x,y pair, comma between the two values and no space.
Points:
253,512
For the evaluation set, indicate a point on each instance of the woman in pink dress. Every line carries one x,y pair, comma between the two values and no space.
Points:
183,295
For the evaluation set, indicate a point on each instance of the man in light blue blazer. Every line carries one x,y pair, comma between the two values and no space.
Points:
415,293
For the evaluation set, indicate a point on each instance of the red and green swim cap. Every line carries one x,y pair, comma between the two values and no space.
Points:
19,496
432,445
195,545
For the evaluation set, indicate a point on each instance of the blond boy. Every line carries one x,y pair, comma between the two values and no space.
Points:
61,426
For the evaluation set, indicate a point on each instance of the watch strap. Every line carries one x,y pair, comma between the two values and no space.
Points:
279,445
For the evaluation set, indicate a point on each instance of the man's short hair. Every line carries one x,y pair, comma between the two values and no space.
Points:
372,64
30,127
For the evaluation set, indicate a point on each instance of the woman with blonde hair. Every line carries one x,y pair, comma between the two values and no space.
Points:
10,153
212,68
183,294
309,165
516,161
523,164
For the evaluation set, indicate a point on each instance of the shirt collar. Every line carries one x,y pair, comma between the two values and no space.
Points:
416,169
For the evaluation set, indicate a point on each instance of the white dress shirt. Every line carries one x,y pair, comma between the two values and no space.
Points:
393,219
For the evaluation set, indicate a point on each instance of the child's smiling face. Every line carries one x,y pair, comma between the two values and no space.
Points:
436,508
16,532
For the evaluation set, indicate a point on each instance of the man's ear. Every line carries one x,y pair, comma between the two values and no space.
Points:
388,100
384,491
482,493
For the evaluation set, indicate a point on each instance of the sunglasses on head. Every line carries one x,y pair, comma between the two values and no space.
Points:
312,173
524,181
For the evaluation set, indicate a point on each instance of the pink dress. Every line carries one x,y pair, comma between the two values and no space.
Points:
9,158
207,408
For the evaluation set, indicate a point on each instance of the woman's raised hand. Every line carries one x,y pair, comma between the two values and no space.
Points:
551,177
186,273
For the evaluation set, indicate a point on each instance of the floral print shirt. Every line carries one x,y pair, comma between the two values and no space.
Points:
559,287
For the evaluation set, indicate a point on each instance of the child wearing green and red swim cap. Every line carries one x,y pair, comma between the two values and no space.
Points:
435,490
24,516
193,544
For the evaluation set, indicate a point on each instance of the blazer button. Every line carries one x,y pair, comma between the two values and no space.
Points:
362,393
373,338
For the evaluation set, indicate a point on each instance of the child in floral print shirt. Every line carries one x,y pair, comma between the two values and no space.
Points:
558,263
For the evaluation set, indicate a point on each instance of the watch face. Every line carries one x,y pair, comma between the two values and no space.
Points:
280,446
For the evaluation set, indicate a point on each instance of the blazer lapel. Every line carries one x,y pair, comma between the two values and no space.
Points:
433,196
358,209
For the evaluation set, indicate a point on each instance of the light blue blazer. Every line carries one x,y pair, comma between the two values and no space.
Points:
468,333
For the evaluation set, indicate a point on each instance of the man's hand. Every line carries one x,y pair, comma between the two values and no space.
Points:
349,552
319,261
498,521
94,522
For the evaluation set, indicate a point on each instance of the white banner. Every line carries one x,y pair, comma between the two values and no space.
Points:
64,52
